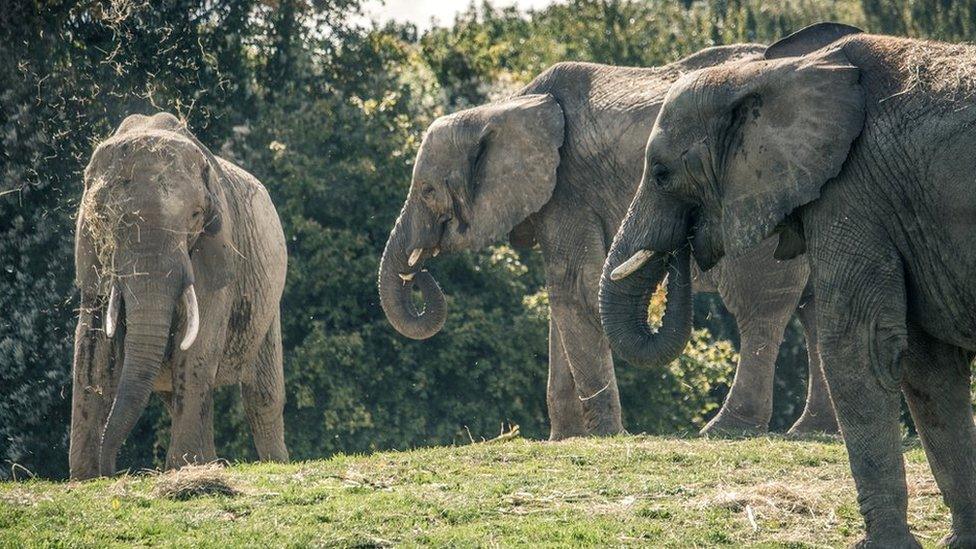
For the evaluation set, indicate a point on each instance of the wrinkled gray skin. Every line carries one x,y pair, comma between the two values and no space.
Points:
858,150
179,218
557,164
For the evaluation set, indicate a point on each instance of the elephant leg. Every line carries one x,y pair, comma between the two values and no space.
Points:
749,404
589,359
762,294
818,415
861,312
263,396
565,407
95,359
192,434
937,387
868,413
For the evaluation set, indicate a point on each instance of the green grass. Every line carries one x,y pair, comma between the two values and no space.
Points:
621,491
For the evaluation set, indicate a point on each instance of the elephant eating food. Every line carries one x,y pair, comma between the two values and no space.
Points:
857,150
557,164
181,261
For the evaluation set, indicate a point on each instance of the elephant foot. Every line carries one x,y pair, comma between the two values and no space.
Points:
601,414
899,539
810,424
176,459
607,429
556,434
728,424
959,541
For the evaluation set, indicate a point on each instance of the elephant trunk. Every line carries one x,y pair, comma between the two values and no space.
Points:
150,302
400,270
624,309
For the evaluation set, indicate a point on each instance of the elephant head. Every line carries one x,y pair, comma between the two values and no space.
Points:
153,230
734,151
478,174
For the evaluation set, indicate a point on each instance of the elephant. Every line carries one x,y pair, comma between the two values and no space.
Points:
180,259
856,151
556,164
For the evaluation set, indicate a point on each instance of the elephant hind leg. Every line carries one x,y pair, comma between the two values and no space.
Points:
937,387
818,415
565,408
263,396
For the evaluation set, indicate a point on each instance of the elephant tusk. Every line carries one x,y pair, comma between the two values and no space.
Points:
436,251
112,315
635,262
415,256
192,317
407,277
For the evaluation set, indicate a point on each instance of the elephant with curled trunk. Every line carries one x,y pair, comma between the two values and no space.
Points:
857,150
557,164
181,260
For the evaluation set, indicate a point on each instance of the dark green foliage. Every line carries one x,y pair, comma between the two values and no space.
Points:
329,116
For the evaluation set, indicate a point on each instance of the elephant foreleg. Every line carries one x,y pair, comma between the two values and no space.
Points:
818,415
263,396
93,385
192,434
589,359
565,407
861,321
937,387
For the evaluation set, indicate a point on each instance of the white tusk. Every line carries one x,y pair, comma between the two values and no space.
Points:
635,262
112,315
436,251
415,256
407,277
192,317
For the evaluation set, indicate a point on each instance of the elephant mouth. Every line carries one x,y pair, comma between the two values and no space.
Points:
705,248
418,255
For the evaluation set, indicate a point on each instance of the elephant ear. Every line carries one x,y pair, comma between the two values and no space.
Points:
791,123
514,165
212,255
809,39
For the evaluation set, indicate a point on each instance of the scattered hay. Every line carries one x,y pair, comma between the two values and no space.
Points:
774,496
194,481
354,479
24,498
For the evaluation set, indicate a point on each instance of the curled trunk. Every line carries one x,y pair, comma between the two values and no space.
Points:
396,281
149,305
624,308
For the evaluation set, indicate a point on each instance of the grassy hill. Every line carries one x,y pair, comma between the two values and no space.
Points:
633,490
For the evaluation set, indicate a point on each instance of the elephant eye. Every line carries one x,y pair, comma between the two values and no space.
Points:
660,173
427,191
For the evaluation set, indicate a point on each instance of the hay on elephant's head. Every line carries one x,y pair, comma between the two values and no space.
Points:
194,481
946,70
105,205
101,213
